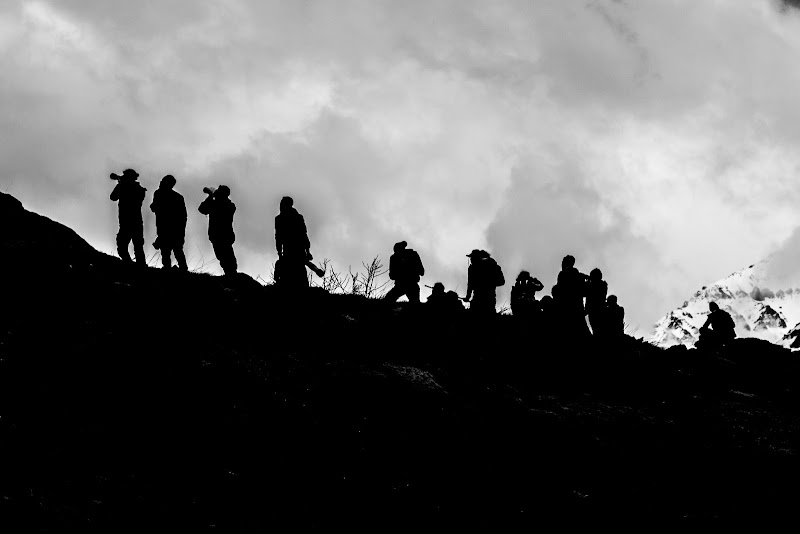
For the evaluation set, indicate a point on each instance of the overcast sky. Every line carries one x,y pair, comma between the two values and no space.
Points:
657,140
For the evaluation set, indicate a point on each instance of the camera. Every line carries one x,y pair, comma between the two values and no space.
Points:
115,176
209,190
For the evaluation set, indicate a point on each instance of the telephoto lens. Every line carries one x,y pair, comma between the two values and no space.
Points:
115,176
208,190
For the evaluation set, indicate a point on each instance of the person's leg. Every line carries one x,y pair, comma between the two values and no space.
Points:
123,238
412,292
138,244
166,253
395,293
227,260
179,256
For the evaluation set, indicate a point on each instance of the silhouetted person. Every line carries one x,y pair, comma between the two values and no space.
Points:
523,296
569,299
483,277
437,298
220,210
129,194
614,321
443,303
718,329
170,210
405,268
292,244
596,291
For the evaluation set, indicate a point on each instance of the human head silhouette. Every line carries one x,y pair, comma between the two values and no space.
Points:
523,275
438,288
223,191
477,254
167,182
713,306
596,274
130,174
400,246
286,203
612,299
568,262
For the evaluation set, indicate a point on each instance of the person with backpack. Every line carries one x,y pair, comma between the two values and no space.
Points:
170,210
483,277
129,194
405,268
220,210
718,330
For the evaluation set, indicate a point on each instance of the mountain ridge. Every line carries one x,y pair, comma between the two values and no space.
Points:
757,310
132,396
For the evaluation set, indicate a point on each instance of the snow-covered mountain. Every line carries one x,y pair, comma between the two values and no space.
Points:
759,311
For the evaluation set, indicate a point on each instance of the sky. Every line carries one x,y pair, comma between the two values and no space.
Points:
653,139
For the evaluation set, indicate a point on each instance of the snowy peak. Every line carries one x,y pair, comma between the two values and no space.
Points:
758,310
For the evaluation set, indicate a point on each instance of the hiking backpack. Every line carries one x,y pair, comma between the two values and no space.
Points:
496,273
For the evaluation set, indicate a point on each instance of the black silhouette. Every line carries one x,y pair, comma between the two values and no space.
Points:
614,321
453,302
596,291
334,424
293,246
483,276
170,210
718,329
437,297
220,210
405,268
130,195
443,303
523,296
569,297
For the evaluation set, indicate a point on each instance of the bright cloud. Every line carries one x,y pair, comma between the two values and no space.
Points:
654,140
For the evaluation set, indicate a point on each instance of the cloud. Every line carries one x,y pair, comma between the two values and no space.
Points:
655,140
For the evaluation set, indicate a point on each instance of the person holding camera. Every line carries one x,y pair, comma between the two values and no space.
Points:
220,210
129,194
170,210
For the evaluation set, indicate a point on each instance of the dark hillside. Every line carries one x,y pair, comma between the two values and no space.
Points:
133,399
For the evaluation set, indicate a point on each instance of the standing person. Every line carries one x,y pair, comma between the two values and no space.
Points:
170,210
615,318
596,291
129,194
220,210
293,245
483,277
405,268
569,299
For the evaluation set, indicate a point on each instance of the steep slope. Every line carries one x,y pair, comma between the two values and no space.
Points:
771,314
136,397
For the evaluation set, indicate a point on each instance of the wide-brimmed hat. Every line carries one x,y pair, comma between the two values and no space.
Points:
130,173
477,253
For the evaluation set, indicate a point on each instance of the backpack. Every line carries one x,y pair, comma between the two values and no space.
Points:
496,272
